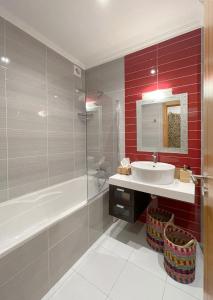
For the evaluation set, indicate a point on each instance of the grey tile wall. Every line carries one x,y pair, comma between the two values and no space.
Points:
63,229
67,252
27,174
42,140
99,218
2,98
31,283
1,37
17,260
3,125
29,271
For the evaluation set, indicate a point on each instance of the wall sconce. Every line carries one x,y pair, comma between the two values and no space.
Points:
157,94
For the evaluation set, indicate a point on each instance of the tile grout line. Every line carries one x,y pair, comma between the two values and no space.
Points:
6,108
59,285
91,283
40,130
73,127
119,276
171,70
126,262
183,291
40,156
93,250
170,78
67,235
23,269
48,257
165,284
47,120
149,272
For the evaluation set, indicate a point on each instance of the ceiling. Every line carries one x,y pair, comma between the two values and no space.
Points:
91,32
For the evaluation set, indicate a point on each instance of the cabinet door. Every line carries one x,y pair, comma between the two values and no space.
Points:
122,212
121,195
121,204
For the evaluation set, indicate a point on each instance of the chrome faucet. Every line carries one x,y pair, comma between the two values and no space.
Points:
155,157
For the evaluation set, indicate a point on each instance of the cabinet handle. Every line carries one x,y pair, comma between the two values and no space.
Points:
120,190
120,206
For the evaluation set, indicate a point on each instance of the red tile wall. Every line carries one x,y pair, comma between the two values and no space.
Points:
178,62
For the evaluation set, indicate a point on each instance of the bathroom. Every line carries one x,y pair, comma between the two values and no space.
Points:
105,150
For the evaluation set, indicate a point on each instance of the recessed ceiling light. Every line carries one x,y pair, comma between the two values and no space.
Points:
103,1
153,71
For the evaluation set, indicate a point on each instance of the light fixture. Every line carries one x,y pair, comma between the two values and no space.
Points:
5,60
103,2
157,94
153,71
91,106
42,113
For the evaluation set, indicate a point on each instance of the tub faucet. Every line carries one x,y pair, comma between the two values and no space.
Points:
155,157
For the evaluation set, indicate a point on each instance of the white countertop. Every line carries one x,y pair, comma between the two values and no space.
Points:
177,190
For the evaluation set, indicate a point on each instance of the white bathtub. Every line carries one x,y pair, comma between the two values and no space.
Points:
24,217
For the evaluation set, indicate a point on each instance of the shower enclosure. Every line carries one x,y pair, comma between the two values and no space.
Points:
105,123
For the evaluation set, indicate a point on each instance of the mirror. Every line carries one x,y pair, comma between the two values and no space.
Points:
162,123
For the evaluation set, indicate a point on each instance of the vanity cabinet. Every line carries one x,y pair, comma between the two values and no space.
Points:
127,204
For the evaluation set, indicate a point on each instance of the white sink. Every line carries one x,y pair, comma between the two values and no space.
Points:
155,173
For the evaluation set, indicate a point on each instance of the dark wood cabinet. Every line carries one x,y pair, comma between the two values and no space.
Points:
127,204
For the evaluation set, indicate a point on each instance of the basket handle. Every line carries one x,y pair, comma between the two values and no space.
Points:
190,243
171,221
167,225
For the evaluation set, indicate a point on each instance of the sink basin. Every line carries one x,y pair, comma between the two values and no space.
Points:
155,173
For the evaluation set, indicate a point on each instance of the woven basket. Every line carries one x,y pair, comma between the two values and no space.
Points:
179,254
157,219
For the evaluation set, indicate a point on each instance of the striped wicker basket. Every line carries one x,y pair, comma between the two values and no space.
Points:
157,219
179,254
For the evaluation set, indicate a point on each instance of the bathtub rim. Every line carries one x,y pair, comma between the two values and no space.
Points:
46,189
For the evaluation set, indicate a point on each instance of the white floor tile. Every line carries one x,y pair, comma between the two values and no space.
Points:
149,260
104,271
194,289
135,283
132,235
77,288
98,242
101,267
175,294
121,249
61,282
82,259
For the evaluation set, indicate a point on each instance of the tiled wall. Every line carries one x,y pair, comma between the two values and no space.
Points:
31,270
105,128
178,61
42,140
